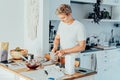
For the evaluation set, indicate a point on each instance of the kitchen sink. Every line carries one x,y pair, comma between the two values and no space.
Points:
95,49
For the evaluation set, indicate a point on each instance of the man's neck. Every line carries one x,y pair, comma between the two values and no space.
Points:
71,21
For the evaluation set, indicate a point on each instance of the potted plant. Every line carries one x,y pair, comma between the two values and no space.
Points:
97,12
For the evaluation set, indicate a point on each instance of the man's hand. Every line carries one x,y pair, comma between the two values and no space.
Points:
60,53
54,50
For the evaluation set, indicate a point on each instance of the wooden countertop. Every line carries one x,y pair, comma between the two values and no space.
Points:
25,69
14,72
79,75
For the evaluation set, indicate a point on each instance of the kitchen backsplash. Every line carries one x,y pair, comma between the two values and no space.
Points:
103,31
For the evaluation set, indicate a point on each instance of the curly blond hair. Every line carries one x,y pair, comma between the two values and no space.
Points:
63,9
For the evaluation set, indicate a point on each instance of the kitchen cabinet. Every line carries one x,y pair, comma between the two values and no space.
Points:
86,60
86,9
53,4
85,1
106,2
102,66
5,75
108,63
111,2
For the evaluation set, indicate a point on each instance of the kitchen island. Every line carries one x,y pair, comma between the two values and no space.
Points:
20,72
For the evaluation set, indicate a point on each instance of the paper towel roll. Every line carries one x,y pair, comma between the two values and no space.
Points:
69,64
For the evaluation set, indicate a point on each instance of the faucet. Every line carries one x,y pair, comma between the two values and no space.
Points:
111,40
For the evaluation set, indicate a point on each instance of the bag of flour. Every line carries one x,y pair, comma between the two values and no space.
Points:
3,51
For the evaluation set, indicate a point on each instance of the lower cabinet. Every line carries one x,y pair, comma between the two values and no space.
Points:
108,63
6,75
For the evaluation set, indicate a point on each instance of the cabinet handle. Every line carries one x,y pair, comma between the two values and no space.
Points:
105,69
86,54
105,61
105,56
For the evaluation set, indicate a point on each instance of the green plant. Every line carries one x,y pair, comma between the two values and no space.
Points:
97,12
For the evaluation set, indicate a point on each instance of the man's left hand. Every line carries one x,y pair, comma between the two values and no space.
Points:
60,53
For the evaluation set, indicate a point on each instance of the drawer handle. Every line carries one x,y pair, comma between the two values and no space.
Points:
105,61
105,69
106,56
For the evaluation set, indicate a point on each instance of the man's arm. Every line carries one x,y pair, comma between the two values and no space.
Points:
77,48
80,47
56,43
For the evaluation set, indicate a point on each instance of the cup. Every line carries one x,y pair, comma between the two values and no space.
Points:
62,60
53,57
30,56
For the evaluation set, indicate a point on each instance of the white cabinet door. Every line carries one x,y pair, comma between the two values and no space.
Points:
85,60
114,56
6,75
111,2
108,63
53,4
86,1
102,66
88,60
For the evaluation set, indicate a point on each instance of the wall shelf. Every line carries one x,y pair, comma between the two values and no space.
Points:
84,1
103,20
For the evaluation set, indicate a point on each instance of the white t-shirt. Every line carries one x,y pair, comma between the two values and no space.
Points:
71,34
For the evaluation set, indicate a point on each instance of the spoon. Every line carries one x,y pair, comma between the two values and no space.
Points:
23,57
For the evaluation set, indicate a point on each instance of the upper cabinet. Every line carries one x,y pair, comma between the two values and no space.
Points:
53,4
85,1
111,2
109,10
106,2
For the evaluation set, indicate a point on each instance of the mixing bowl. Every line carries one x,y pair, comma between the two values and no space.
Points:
33,64
17,52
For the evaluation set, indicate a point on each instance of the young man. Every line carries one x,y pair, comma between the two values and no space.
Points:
71,33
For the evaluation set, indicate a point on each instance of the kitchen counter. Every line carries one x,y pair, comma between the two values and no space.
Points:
100,48
26,74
